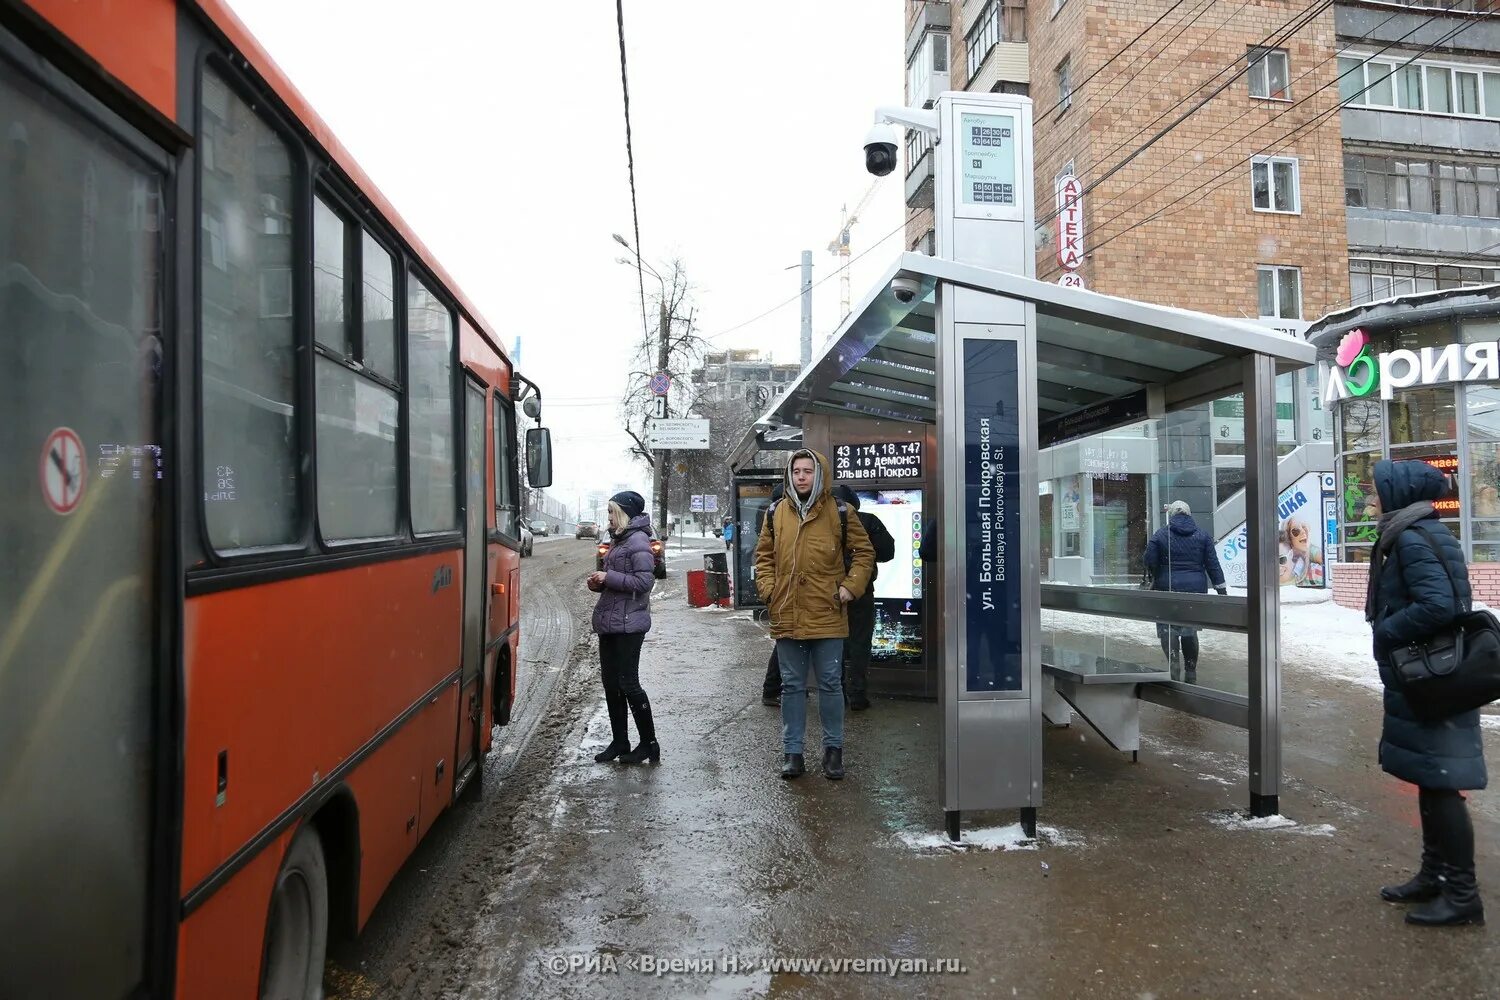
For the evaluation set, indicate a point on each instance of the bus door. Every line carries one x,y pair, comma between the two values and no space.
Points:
81,501
476,476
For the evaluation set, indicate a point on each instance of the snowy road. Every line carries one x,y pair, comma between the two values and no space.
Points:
572,879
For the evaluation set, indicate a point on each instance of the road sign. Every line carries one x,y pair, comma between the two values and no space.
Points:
63,470
687,435
1071,279
661,384
696,504
710,503
658,407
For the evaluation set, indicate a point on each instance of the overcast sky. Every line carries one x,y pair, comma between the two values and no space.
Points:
496,129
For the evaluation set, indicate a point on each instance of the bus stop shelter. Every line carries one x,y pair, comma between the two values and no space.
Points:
999,375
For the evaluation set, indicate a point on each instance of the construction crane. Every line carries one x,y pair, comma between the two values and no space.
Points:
839,247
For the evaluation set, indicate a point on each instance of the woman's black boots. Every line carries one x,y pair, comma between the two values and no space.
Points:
1456,901
648,749
619,735
1190,659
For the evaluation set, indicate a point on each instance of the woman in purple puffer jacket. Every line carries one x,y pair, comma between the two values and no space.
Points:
622,618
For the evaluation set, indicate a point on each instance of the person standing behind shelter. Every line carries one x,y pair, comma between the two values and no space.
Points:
1182,559
1418,586
862,611
807,584
770,689
622,618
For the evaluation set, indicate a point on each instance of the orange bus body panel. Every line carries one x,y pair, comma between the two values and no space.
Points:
135,41
218,953
291,678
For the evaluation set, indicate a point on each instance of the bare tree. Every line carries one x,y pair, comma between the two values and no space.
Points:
673,347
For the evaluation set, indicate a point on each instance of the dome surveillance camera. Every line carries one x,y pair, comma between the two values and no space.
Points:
905,289
880,150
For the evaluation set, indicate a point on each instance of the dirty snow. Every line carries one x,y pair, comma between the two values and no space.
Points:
1238,821
1490,721
993,838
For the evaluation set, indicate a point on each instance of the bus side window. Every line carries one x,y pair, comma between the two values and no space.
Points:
506,506
251,467
430,339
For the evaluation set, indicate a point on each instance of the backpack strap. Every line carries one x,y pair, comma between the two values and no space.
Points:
843,509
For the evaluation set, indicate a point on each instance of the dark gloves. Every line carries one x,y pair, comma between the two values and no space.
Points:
1223,591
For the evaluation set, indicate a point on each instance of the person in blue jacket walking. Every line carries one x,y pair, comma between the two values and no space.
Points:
1182,559
1418,586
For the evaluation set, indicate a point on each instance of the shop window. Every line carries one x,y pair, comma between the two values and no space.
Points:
1414,338
1359,425
1358,503
1419,416
1486,540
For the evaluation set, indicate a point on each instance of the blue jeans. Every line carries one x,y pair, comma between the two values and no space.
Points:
826,657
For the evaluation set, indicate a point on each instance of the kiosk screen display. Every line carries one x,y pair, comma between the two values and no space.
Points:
898,588
901,513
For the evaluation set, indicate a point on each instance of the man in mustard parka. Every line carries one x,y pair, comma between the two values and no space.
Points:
812,559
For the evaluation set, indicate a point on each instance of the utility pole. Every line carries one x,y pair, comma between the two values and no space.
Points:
663,458
806,309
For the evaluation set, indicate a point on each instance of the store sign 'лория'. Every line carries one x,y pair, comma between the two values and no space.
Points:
1359,371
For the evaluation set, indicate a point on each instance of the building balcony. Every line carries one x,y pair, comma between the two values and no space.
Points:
919,182
1412,128
1419,233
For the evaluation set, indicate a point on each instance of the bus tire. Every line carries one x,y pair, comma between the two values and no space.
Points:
297,931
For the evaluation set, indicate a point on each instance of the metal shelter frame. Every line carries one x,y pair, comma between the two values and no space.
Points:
1095,363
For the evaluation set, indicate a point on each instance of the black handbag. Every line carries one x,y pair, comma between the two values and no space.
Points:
1454,671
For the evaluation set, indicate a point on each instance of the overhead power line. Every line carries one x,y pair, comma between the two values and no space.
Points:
1123,49
1223,177
1135,202
635,214
1317,7
828,277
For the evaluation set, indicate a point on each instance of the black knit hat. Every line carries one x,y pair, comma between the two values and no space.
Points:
631,504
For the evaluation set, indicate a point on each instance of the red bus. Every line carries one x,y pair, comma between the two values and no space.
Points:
259,593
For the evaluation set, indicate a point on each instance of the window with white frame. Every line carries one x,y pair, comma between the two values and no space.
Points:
918,144
930,56
1270,74
1280,292
981,38
1371,279
1273,181
1065,83
1397,83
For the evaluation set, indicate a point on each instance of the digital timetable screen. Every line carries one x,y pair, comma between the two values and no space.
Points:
901,513
882,460
987,159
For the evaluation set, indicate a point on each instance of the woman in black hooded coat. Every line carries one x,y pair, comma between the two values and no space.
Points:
1418,586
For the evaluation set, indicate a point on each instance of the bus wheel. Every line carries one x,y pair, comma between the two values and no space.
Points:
297,935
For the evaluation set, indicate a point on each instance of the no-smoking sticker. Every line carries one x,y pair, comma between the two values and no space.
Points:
63,470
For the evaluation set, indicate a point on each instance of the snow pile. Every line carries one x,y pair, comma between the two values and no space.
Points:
1329,639
1237,821
1490,721
993,838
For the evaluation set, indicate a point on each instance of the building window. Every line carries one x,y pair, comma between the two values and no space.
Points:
918,144
1270,74
1423,86
1065,83
251,464
1280,291
1274,183
1395,184
980,39
1372,280
930,59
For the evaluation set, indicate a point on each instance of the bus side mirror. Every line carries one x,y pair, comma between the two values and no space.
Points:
539,457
